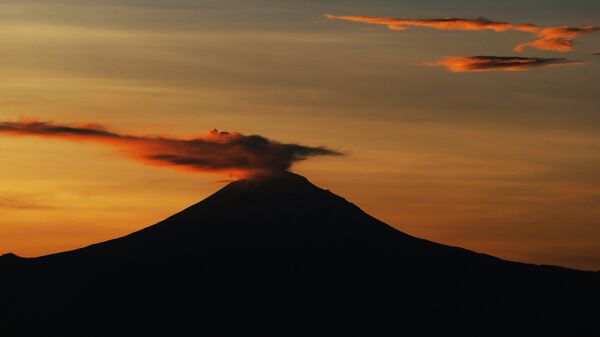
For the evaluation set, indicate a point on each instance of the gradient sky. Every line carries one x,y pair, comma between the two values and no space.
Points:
502,162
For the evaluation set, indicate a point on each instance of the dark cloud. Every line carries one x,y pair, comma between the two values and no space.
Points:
461,64
223,152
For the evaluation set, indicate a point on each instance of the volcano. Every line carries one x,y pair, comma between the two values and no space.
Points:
278,256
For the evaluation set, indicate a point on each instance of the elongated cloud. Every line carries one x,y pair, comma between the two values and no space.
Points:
222,152
498,63
443,24
550,38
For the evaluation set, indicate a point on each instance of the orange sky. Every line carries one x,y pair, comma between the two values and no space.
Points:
501,162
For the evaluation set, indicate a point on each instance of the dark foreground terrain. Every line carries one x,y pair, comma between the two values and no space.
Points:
281,257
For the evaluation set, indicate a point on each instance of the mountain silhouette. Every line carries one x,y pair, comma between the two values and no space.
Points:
278,256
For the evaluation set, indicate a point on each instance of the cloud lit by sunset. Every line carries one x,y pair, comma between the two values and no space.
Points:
561,39
441,24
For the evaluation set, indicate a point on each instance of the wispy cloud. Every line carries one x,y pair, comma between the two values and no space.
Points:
443,24
560,39
232,153
21,202
461,64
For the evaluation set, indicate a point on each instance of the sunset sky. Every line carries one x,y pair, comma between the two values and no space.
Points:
482,132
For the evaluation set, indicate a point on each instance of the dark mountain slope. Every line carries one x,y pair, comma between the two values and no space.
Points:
280,256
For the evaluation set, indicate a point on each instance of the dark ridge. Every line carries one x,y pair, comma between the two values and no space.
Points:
11,257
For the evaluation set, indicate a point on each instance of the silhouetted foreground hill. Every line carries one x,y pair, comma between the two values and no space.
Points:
279,256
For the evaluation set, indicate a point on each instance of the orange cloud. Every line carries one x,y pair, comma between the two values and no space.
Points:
217,152
557,38
443,24
551,38
462,64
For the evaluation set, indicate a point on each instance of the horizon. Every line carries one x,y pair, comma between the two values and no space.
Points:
468,124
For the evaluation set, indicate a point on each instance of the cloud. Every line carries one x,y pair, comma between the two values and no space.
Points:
460,64
443,24
557,38
217,152
550,38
